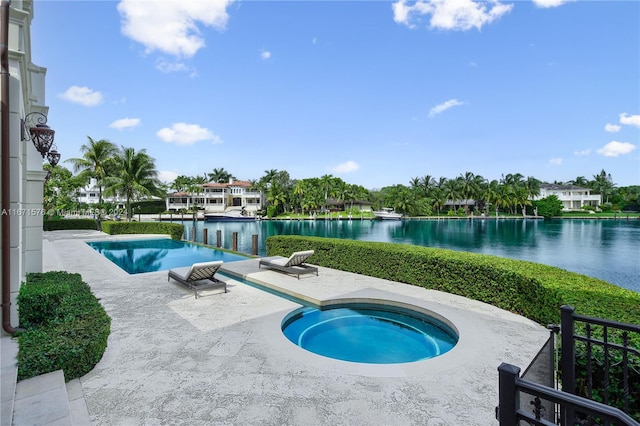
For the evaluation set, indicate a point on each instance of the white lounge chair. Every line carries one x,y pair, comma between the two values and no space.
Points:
198,276
293,265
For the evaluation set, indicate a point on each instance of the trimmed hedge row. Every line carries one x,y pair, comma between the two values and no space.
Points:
530,289
66,326
176,230
62,224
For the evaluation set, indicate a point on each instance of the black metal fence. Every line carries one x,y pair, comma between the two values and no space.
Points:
598,360
533,398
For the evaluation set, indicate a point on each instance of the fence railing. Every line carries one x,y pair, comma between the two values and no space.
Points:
610,340
510,413
533,398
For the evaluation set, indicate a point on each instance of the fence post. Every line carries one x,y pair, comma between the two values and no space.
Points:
218,238
254,244
567,360
508,395
234,241
193,235
205,236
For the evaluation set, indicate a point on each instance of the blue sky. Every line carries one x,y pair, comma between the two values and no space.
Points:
374,92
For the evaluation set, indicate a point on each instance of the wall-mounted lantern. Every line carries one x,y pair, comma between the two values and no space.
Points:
35,129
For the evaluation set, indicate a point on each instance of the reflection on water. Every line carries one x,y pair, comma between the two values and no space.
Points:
139,256
606,249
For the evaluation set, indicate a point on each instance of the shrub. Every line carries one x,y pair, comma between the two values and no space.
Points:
148,207
69,333
530,289
176,230
549,206
62,224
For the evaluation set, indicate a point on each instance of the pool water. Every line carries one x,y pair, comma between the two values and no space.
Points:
369,333
139,256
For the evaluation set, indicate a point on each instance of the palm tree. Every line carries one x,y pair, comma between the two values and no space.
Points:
603,184
97,157
220,175
467,187
277,196
532,188
326,182
135,175
428,183
579,181
180,183
452,191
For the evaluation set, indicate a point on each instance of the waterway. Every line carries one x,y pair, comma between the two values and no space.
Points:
605,249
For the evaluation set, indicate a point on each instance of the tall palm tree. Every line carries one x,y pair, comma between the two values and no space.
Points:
452,191
220,175
97,157
135,175
579,181
467,187
603,184
428,183
327,185
180,183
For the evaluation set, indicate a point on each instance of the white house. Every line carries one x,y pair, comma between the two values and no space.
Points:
90,194
572,197
22,92
217,197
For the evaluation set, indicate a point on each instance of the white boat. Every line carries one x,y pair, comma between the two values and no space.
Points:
235,215
387,213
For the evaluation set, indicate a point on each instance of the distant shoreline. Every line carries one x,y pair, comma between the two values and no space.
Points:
189,218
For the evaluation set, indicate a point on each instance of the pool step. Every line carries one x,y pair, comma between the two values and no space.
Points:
47,399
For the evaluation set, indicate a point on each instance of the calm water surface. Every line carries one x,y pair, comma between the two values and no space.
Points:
605,249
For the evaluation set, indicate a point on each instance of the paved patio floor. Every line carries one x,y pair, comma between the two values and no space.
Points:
221,359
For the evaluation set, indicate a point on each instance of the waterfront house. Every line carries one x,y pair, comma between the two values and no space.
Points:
90,195
572,197
218,197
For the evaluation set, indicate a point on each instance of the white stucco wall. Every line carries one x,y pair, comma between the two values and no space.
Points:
26,94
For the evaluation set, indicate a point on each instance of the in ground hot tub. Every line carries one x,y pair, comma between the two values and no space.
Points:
373,333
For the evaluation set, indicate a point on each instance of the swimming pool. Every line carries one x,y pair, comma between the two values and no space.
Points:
370,333
150,255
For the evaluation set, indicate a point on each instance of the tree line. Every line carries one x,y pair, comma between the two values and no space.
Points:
131,175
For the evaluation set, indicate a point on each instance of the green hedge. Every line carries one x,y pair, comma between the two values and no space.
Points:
66,326
148,207
176,230
533,290
62,224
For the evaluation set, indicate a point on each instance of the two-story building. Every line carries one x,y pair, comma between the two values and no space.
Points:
217,197
572,197
90,195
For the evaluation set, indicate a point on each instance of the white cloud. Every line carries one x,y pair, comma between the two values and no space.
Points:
172,26
444,106
265,54
125,123
631,120
347,167
461,15
550,3
583,152
168,67
187,134
82,95
556,161
167,176
612,128
615,149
